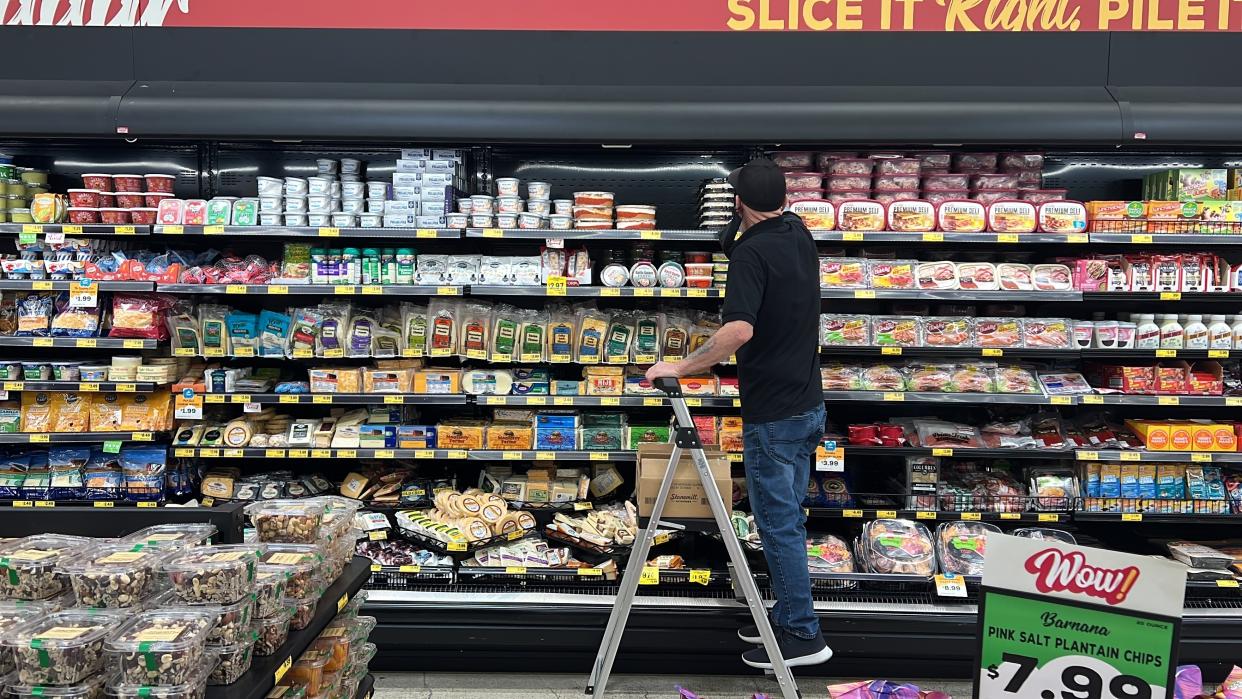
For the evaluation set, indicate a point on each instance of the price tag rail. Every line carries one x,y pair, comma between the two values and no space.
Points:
408,577
600,291
524,576
930,517
937,236
78,437
79,342
85,386
63,285
309,232
91,230
953,295
342,398
311,289
573,234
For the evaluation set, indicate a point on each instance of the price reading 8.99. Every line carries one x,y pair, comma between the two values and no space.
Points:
1077,682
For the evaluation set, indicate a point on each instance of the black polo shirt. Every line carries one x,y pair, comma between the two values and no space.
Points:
774,286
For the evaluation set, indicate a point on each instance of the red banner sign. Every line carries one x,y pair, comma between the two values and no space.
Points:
643,15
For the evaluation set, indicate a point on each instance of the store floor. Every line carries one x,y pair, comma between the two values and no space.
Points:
453,685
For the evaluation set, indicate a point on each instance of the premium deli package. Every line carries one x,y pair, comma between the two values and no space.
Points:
1014,277
911,216
1012,217
860,215
817,214
892,274
961,217
1062,217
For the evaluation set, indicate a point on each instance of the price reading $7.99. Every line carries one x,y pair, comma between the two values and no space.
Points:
1077,681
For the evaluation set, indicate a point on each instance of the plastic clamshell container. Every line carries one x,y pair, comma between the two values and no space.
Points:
962,546
172,536
887,197
114,575
300,563
1062,217
977,276
232,622
896,183
308,671
91,688
272,631
1009,216
804,180
234,660
793,158
961,216
335,642
62,648
849,183
30,566
195,688
817,214
851,166
911,216
303,610
939,197
991,196
287,521
159,647
223,574
898,166
360,627
992,180
13,613
1039,196
860,215
898,546
937,276
942,182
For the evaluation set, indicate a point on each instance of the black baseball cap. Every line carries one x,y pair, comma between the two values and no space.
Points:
760,184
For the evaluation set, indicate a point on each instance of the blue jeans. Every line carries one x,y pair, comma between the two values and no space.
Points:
778,468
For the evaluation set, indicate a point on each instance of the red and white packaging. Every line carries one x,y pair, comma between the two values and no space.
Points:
195,212
1008,216
171,212
1014,277
1166,272
1194,272
961,216
1139,273
1062,217
1090,274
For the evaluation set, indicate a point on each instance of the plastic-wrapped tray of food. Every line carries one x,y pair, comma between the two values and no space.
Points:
1045,534
849,183
951,182
30,567
160,647
272,631
973,377
91,688
845,330
948,331
838,376
114,575
1016,379
962,546
851,166
804,180
958,216
843,272
937,276
977,276
928,377
269,590
898,546
792,159
234,661
62,648
938,197
1052,278
301,564
222,574
1050,333
913,216
891,274
828,554
287,521
883,377
1014,276
860,215
998,333
896,331
171,535
194,688
231,622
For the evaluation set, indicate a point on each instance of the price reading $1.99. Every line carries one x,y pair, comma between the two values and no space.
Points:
1077,681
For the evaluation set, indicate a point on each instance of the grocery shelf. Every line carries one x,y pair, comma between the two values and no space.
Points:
545,233
308,232
600,291
1152,354
1158,517
340,398
113,518
979,352
939,237
1166,238
79,342
936,397
77,437
63,285
1221,297
936,515
266,670
1218,457
1189,401
856,451
88,229
312,289
83,386
426,454
951,295
608,401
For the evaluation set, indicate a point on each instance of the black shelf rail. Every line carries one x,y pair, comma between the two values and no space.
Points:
78,342
78,437
91,519
83,386
63,285
87,229
700,235
309,232
312,289
339,398
424,454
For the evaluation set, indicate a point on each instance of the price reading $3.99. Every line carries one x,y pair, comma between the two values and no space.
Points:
1077,681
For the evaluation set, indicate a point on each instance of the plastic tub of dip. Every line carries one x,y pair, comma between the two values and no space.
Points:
270,186
482,221
372,220
81,214
94,372
296,186
317,220
66,371
127,183
344,220
160,183
153,199
266,219
354,190
350,166
506,220
88,198
563,206
543,207
456,220
507,186
20,215
352,206
318,185
481,204
315,204
114,216
560,222
539,190
377,190
270,204
37,371
298,220
509,205
327,166
131,200
98,182
530,221
298,205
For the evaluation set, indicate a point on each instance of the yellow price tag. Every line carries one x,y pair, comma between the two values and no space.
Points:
890,351
448,291
303,353
644,292
32,228
1226,583
583,506
1166,353
87,343
346,453
644,359
545,456
14,385
653,402
650,235
126,388
864,293
701,576
425,233
43,342
1168,400
1011,515
213,230
375,568
104,504
537,400
206,453
1140,238
457,454
148,503
336,353
344,290
40,438
670,292
441,352
214,397
23,503
394,400
235,289
933,237
851,513
183,453
171,230
1131,456
559,400
530,357
1077,238
511,455
1170,296
456,546
41,286
1092,399
515,570
476,354
924,514
183,352
299,453
213,352
372,290
590,572
1049,518
493,233
424,454
71,230
290,398
734,458
1061,400
886,514
894,397
378,535
514,536
598,456
694,402
609,291
44,503
410,569
609,401
329,232
649,576
942,451
274,453
89,387
240,398
1006,237
972,516
234,453
1200,456
696,293
1233,402
132,344
321,453
993,352
284,667
1131,517
557,285
1218,354
852,236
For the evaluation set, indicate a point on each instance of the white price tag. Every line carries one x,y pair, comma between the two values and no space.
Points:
950,585
188,405
83,293
253,408
55,238
556,243
830,456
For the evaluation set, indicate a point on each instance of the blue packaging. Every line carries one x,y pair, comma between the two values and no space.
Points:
143,469
102,477
66,465
556,431
13,472
37,478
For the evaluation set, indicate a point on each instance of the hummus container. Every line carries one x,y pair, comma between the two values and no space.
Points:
804,180
351,166
36,371
343,220
296,186
131,200
530,221
482,221
326,166
21,215
911,216
81,214
172,212
593,199
892,183
377,190
961,216
352,206
817,214
114,216
560,222
991,196
509,205
34,177
46,208
1062,217
353,190
143,216
671,274
270,219
315,204
88,198
109,199
219,212
270,186
457,220
246,212
849,183
563,206
994,180
317,220
271,204
481,204
102,183
696,282
506,220
318,186
543,207
793,158
1012,217
153,199
15,188
372,220
127,183
539,190
860,215
698,269
508,186
160,183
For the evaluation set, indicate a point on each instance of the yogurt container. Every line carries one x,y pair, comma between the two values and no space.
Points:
507,186
543,207
353,190
372,220
298,220
296,186
344,220
270,186
318,185
482,221
465,205
560,222
506,220
482,204
318,220
563,206
377,190
160,183
350,166
298,205
271,204
317,204
352,206
126,183
327,166
375,206
539,190
457,220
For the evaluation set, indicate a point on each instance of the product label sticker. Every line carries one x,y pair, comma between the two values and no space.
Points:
166,635
227,556
61,633
122,557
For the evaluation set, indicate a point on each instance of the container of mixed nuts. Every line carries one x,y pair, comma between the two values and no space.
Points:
172,536
221,574
61,648
194,688
301,563
12,613
114,575
287,521
30,566
273,632
235,659
233,623
91,688
269,590
303,610
160,648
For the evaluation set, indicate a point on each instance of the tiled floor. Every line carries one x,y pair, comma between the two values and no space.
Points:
447,685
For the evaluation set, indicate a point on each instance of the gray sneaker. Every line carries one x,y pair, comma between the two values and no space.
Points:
796,651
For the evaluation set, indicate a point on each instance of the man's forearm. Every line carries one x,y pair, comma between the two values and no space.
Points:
719,347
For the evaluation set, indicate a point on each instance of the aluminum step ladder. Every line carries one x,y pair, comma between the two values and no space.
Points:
687,440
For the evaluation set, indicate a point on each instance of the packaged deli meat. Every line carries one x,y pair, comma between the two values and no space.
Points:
928,377
898,546
848,183
1015,379
860,215
804,180
1039,196
946,182
898,166
975,162
896,331
961,217
935,161
797,194
948,331
1050,333
911,216
1062,217
988,197
824,159
882,377
889,197
828,554
977,276
1052,278
896,183
937,276
1014,277
938,197
962,546
839,198
993,180
843,273
817,214
998,332
793,159
851,166
1009,216
836,376
891,274
844,330
1199,556
1022,161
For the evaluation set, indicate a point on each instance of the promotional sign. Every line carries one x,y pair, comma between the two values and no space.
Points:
1058,621
642,15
